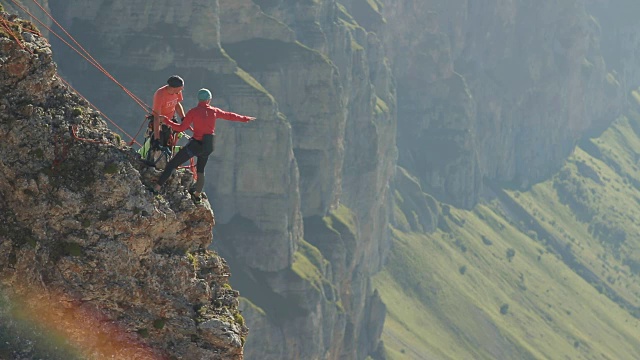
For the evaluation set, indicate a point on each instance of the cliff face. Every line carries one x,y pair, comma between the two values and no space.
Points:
87,254
500,90
258,170
494,91
301,195
619,32
334,85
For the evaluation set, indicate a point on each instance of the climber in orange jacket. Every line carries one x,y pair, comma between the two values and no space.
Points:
166,102
203,117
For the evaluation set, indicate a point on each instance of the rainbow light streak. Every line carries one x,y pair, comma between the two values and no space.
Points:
74,327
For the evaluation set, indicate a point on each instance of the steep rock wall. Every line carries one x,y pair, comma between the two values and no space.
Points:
325,103
87,254
332,81
492,90
531,80
619,32
436,110
255,173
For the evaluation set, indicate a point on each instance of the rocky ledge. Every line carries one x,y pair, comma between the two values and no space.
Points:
88,256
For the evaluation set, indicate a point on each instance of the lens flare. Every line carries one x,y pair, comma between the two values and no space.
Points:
60,324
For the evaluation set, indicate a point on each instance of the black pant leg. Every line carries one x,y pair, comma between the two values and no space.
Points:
182,156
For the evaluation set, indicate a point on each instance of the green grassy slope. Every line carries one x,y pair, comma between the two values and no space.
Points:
551,273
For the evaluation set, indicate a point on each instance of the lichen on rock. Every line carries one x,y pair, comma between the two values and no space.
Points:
87,254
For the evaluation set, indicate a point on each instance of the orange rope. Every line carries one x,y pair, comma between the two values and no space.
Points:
51,30
192,167
61,152
74,133
101,113
5,24
97,65
20,25
93,60
144,122
88,58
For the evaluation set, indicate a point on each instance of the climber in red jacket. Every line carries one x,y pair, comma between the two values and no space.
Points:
203,117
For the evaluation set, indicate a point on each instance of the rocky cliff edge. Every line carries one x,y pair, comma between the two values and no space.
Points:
87,254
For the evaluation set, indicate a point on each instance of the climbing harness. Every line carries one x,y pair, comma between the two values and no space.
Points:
62,153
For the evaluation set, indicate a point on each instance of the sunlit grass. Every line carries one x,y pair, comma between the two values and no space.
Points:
493,287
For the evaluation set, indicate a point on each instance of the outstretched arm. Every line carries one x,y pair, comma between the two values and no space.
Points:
231,116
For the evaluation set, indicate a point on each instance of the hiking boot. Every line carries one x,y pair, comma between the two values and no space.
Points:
196,199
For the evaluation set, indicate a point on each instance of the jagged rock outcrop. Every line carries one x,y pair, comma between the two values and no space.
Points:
86,252
325,136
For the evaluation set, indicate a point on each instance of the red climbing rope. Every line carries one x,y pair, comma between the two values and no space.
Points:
89,59
80,50
93,61
6,24
101,113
